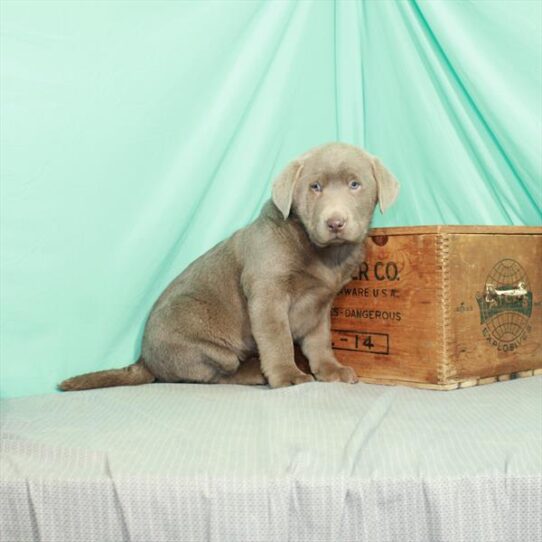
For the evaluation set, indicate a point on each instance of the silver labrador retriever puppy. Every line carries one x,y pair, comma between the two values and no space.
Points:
234,314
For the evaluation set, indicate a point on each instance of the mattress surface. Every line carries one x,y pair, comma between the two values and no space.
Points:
315,462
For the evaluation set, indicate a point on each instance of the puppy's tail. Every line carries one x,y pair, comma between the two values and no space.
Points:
132,375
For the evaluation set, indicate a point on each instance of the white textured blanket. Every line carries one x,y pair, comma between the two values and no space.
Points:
316,462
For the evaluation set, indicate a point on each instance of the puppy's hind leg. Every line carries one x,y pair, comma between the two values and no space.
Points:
249,373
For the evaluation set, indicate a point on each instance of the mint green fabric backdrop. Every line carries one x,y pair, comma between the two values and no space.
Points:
135,135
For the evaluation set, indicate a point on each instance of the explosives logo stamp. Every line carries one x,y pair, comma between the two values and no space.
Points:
505,306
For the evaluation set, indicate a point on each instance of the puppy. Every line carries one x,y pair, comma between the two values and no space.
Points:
234,314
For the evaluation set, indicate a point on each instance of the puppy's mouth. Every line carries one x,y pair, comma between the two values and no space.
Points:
339,238
334,239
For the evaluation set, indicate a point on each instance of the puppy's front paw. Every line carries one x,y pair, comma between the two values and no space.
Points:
289,378
337,373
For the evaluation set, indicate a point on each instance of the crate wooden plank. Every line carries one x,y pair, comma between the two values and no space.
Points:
510,340
392,290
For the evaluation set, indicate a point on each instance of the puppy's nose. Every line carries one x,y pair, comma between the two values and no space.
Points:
335,224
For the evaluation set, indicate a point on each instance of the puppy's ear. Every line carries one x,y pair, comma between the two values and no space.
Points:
387,185
283,187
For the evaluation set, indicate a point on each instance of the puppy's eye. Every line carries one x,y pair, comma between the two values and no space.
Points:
316,187
354,185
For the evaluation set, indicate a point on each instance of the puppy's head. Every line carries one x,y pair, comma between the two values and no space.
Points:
333,190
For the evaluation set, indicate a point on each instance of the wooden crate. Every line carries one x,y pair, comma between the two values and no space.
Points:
443,307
